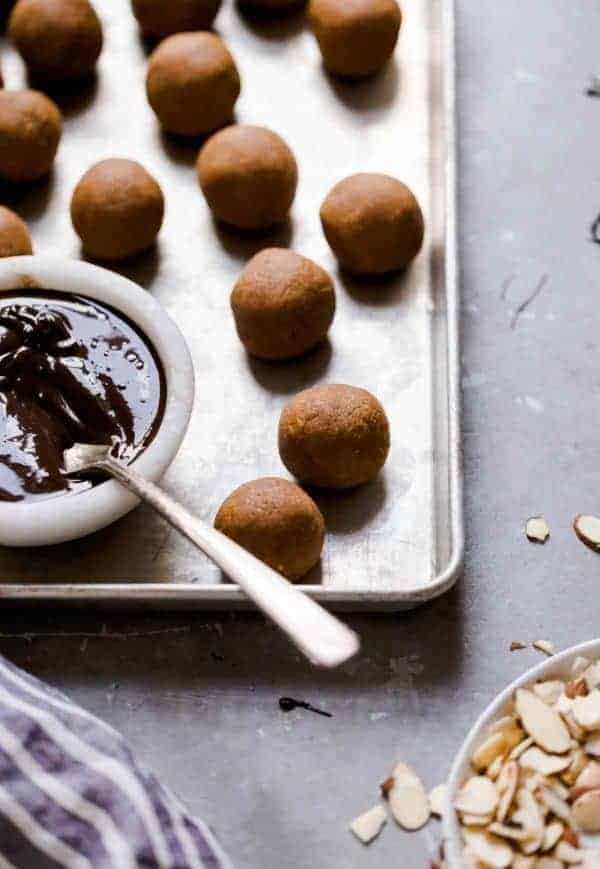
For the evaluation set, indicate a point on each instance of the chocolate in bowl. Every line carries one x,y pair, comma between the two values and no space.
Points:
72,369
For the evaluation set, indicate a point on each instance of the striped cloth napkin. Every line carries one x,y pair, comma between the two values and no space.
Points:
73,795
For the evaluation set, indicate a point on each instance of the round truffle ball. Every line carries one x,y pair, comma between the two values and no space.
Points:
57,39
192,83
373,223
30,130
14,235
248,176
117,209
277,522
160,18
356,38
283,304
334,436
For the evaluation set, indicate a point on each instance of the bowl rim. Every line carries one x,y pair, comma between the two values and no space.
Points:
41,523
558,662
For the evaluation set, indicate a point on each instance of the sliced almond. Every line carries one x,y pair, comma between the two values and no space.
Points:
542,723
490,849
587,528
520,748
552,835
517,834
516,646
544,646
571,837
589,777
537,530
563,705
513,736
546,764
549,691
592,745
586,811
494,746
586,710
567,853
470,859
478,796
407,799
530,817
554,803
370,824
548,863
577,688
578,764
558,787
476,820
592,675
495,768
579,665
575,730
523,862
507,787
504,723
437,800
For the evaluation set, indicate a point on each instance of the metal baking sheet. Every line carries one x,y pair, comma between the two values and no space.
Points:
393,543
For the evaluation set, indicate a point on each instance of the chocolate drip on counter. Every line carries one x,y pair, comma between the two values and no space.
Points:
288,704
71,370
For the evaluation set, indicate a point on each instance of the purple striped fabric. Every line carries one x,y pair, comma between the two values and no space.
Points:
73,795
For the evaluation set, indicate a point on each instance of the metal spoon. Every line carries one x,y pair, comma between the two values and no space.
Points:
324,640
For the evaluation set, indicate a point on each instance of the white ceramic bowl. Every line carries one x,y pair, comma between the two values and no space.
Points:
67,518
558,666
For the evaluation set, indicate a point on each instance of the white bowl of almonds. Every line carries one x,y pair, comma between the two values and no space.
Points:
524,790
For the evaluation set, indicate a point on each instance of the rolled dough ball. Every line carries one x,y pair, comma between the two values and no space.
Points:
277,522
356,37
57,39
334,436
30,130
373,223
14,235
117,209
192,83
160,18
283,304
248,176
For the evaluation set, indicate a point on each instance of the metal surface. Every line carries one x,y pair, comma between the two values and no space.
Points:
394,543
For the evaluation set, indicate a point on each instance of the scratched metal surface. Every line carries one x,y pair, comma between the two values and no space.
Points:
392,543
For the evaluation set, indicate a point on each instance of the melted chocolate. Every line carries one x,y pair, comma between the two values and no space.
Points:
288,704
72,370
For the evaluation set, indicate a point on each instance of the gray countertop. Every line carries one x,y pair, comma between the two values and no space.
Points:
199,701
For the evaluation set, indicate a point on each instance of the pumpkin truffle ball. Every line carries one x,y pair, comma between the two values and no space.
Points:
283,304
277,522
57,39
248,176
160,18
30,130
14,235
192,83
117,209
373,223
334,436
356,38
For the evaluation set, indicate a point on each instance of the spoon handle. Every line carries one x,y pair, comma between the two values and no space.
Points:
325,640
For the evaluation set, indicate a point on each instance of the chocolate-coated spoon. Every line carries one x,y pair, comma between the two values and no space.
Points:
325,640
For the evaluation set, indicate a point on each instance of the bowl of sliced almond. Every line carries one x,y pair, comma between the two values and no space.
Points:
524,790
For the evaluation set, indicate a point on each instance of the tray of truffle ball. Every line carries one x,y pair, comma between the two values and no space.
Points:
227,248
